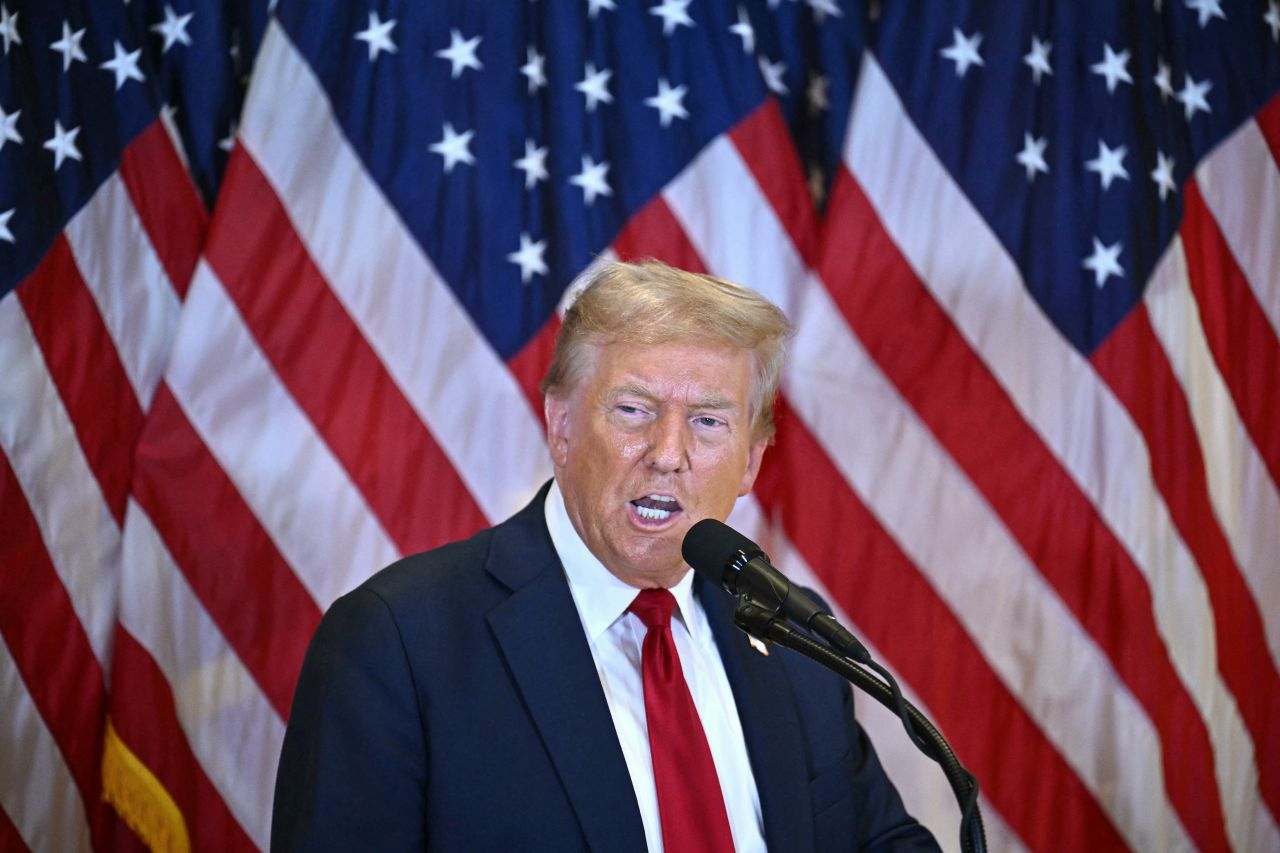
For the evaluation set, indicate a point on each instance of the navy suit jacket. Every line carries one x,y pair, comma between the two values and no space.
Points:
452,703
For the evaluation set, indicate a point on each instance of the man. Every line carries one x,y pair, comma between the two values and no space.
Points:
562,681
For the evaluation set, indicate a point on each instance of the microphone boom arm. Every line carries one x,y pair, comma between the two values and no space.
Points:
762,622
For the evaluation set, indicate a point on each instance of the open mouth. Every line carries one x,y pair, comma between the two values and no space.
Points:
656,509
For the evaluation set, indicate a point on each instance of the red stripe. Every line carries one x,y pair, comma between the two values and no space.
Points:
51,650
764,142
654,232
1243,343
331,371
10,839
530,364
1268,119
145,718
233,567
167,203
85,368
897,609
913,341
1136,367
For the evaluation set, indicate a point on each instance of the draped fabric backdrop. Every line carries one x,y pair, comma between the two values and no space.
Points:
278,286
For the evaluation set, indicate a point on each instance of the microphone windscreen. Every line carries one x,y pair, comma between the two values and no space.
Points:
711,545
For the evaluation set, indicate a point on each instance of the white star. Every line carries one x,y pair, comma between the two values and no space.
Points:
124,65
377,35
822,8
673,13
1112,67
1163,79
1162,174
9,28
69,46
1272,19
595,86
592,179
772,73
594,7
529,257
743,30
1031,157
816,94
9,127
1109,164
1192,96
1037,59
63,144
1105,262
228,142
461,53
963,51
1207,9
5,233
454,148
535,68
173,29
668,102
533,164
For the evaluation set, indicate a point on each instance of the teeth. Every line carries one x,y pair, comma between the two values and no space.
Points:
653,514
666,498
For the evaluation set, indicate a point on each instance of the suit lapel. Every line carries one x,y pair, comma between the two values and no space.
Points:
541,637
770,724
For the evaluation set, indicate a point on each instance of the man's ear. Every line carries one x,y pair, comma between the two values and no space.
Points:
556,410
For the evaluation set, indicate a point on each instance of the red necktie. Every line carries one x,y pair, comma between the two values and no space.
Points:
694,819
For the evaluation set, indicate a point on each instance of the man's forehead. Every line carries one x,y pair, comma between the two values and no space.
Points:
683,392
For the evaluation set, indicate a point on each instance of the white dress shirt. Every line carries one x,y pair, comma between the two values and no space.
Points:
616,638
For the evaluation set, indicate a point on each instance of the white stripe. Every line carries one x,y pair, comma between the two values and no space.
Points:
1027,636
1240,184
121,271
282,468
1245,500
232,729
430,346
75,523
958,258
37,789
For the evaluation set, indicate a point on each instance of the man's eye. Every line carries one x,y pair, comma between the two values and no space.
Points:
628,410
708,421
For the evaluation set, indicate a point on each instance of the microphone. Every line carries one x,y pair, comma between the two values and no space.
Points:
733,562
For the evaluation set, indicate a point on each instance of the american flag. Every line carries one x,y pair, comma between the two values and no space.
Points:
1030,432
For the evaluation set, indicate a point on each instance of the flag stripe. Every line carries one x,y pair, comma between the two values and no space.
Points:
166,201
1268,120
948,244
143,712
1244,344
1249,219
217,699
10,839
129,287
42,801
801,489
336,379
427,342
827,365
86,369
529,365
960,402
263,443
232,565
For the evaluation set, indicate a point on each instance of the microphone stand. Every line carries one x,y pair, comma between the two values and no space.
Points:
764,623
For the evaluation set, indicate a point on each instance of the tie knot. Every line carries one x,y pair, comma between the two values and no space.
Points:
654,607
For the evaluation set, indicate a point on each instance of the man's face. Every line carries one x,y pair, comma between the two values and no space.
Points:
650,441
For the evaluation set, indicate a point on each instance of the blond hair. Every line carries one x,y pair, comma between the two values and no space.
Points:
650,303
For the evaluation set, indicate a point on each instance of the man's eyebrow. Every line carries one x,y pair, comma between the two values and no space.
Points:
629,389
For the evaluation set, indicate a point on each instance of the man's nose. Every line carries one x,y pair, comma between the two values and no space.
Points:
668,443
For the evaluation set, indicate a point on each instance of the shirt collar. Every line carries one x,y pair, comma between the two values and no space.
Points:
601,597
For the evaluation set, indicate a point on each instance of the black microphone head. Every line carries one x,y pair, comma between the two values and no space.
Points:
717,551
